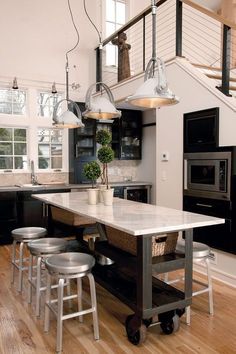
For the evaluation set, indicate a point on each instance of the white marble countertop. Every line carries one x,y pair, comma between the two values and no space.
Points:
128,216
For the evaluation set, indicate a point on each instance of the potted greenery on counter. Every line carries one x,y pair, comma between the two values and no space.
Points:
92,172
105,156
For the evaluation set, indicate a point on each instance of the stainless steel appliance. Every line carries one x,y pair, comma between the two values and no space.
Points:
137,193
208,174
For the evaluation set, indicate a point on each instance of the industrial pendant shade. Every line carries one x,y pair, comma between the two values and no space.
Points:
100,107
68,119
154,92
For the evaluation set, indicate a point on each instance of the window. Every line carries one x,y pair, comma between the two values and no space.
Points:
13,148
49,148
46,103
115,18
12,101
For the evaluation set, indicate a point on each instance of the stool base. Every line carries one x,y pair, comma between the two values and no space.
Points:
58,312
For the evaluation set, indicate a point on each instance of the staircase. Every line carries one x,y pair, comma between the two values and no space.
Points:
184,29
214,73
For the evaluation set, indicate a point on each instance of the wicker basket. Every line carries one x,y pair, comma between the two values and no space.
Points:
161,244
66,217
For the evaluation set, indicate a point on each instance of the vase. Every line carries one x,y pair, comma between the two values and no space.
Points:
101,187
93,196
108,196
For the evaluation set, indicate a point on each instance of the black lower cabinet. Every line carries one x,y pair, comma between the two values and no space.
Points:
221,237
20,209
8,216
30,210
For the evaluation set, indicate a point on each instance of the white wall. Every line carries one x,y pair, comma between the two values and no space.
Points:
37,34
146,169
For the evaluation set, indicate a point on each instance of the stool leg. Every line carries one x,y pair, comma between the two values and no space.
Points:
13,260
47,304
21,254
79,294
59,315
68,291
188,313
38,285
30,273
210,293
94,305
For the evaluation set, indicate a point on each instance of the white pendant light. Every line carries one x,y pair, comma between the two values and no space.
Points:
99,107
68,119
154,92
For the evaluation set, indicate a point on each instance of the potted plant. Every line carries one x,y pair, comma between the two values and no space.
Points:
92,171
105,156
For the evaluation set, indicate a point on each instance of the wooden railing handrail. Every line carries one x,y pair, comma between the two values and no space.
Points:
132,22
210,13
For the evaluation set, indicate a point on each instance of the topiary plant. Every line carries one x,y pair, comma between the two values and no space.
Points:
105,153
92,171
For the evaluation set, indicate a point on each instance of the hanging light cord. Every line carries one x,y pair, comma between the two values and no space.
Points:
99,34
76,29
70,50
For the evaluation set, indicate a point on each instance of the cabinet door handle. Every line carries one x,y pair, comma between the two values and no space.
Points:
204,205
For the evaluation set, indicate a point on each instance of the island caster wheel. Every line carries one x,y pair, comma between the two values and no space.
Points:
171,325
135,335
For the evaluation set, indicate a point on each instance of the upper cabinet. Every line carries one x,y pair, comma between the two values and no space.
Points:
127,135
84,139
201,130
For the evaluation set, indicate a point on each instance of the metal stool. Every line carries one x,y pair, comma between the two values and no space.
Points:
41,249
68,266
21,236
201,253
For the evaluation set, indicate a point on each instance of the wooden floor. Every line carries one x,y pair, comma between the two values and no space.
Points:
22,333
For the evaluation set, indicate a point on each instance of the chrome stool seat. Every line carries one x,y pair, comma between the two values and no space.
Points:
41,249
66,266
201,253
22,236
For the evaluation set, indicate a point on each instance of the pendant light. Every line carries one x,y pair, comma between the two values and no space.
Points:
154,92
99,107
15,84
68,119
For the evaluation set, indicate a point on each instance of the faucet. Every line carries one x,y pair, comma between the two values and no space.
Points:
33,177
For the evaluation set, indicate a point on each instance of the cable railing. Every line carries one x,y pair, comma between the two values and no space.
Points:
183,29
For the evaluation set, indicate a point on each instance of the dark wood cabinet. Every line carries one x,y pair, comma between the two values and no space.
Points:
31,211
127,135
126,141
8,216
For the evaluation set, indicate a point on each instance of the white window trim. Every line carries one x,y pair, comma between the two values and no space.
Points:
32,122
16,170
40,170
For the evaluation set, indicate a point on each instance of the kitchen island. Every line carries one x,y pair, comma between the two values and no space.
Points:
130,278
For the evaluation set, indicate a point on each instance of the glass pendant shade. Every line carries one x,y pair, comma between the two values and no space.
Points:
67,119
100,107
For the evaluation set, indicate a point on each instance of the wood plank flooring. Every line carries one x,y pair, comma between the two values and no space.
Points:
22,333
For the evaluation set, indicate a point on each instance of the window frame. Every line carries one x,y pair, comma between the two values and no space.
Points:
13,115
126,3
59,94
50,169
16,170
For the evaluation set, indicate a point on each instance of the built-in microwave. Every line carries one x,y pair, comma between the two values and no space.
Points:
208,174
